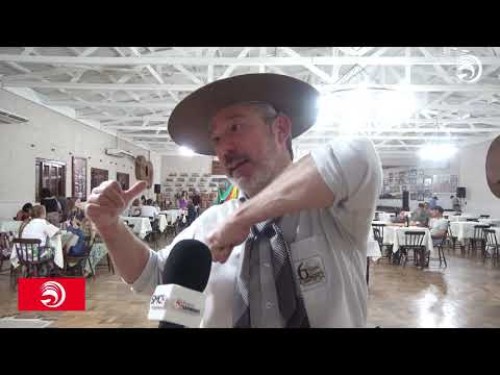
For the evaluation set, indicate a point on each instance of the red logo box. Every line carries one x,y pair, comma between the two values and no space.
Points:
51,294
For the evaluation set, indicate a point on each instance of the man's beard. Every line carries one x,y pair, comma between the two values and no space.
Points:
264,173
254,184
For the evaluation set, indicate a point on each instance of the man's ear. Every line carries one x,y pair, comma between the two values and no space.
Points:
282,129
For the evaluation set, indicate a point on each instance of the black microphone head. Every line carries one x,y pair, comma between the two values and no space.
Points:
188,265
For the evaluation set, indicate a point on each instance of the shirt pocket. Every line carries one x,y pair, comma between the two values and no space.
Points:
313,275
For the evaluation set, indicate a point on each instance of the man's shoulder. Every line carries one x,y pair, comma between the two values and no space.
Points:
220,209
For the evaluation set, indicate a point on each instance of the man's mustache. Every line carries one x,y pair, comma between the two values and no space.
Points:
230,161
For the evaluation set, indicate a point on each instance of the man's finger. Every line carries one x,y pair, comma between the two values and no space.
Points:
114,185
134,191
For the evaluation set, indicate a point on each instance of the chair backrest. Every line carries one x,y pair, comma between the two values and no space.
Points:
450,232
414,238
479,232
5,244
443,240
491,237
378,237
28,250
380,228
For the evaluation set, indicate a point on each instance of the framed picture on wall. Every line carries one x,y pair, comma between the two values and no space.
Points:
97,176
79,178
123,180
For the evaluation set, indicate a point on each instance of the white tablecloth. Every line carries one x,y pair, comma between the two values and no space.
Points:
396,236
385,216
372,247
171,215
461,218
142,226
162,222
463,229
10,226
495,222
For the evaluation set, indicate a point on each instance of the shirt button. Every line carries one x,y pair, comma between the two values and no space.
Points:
269,305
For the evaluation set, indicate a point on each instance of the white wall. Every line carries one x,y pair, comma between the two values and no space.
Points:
479,198
56,137
185,164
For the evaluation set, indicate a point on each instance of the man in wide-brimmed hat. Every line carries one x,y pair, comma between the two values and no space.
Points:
291,251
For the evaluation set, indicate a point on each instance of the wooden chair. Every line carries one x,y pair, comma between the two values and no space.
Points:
78,262
440,246
378,234
492,244
33,257
478,242
5,247
413,241
451,240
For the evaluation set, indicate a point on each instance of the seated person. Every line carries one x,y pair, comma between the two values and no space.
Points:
135,210
39,228
25,212
438,225
148,210
52,206
79,248
75,211
191,212
419,216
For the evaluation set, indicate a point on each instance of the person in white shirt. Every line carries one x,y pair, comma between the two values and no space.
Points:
307,267
38,227
149,211
438,225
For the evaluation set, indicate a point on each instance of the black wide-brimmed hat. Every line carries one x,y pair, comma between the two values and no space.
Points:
188,124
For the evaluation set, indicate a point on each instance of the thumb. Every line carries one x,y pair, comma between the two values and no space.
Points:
134,191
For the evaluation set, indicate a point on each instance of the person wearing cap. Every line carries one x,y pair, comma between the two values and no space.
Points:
291,250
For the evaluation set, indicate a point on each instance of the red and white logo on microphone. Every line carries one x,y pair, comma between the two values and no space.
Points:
47,294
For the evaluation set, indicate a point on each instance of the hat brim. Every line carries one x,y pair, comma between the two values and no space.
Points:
188,124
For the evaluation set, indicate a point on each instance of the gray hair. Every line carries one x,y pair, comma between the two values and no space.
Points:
269,114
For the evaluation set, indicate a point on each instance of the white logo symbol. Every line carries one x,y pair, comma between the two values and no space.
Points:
55,292
469,68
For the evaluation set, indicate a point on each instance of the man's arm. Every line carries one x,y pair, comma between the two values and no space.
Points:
316,181
299,187
129,254
104,207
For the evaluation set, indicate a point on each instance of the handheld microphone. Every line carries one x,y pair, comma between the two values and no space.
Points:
179,302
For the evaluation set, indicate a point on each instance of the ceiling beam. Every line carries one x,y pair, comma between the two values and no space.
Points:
71,103
123,118
319,140
309,66
247,61
407,130
137,128
192,87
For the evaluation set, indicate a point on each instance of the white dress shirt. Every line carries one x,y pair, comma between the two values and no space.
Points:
39,229
149,211
333,239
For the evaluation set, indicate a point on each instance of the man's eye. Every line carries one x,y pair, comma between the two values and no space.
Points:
235,127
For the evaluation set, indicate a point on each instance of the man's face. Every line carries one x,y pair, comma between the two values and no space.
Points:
435,213
246,147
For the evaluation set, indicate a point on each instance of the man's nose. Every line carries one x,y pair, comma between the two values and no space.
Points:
226,147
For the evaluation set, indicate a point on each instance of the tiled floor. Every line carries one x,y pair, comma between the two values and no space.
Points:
466,294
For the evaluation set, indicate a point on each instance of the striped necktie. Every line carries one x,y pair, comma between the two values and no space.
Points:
290,301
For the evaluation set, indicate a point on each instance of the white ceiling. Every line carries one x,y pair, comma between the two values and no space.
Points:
130,91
